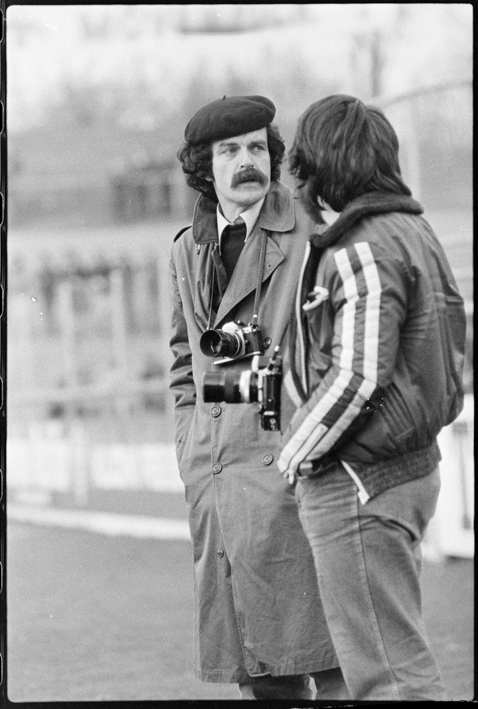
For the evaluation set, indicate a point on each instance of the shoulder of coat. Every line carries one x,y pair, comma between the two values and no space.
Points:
181,232
303,221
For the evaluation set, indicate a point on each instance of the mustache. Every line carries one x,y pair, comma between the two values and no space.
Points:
250,173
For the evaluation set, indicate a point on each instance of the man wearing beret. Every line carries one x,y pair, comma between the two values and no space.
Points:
258,616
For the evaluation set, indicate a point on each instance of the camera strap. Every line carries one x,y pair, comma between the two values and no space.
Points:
260,273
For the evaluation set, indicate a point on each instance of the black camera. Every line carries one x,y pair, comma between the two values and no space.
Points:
235,340
254,385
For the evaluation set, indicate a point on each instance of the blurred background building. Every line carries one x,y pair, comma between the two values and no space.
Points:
97,100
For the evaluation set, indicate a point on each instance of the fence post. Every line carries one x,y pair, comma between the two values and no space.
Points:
26,341
120,338
67,329
81,461
164,315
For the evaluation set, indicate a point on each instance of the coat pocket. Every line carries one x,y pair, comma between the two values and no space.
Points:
183,430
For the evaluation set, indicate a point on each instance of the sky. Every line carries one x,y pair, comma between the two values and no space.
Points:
46,47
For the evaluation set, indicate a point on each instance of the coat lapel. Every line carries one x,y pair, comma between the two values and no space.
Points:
245,277
205,276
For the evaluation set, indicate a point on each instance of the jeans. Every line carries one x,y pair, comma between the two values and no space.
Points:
329,685
368,559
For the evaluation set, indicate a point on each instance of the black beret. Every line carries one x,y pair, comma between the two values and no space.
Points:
227,117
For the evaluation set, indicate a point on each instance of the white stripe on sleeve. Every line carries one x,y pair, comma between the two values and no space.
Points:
348,314
372,310
298,315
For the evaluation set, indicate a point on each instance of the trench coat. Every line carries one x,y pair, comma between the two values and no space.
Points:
257,608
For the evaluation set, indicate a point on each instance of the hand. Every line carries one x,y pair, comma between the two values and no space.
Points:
287,472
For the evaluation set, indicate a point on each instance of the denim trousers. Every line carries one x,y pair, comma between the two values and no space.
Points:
368,559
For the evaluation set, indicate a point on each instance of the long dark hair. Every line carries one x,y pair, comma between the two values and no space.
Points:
344,149
196,162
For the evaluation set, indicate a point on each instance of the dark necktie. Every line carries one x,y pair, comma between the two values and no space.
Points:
232,242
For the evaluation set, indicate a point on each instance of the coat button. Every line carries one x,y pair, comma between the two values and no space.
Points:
216,411
267,459
216,468
267,343
220,553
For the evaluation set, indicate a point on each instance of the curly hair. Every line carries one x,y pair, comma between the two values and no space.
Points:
343,149
196,162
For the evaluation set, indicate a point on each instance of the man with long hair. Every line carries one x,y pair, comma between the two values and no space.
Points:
377,346
258,616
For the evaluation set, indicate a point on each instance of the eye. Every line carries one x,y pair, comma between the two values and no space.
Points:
229,150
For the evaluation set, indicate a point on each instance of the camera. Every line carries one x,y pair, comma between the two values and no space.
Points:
235,340
262,386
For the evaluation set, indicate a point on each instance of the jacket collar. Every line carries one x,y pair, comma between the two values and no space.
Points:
277,214
364,206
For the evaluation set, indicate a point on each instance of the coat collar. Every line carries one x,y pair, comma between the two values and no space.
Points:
364,206
277,214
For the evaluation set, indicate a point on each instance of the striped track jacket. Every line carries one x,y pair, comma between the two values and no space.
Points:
377,355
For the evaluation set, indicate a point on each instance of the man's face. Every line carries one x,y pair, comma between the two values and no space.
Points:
241,168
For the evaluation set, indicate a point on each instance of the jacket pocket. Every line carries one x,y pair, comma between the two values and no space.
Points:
405,419
452,324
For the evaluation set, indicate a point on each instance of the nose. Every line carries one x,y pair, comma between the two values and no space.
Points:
245,158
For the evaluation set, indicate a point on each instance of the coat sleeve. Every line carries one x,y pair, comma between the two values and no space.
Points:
368,289
181,381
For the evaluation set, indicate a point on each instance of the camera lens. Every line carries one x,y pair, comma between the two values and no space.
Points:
249,386
222,386
218,343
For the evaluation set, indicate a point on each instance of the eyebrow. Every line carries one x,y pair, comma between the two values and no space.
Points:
259,141
229,143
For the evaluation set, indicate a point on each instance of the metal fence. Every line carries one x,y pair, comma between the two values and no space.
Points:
88,336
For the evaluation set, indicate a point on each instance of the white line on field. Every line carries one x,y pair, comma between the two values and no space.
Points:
107,523
112,524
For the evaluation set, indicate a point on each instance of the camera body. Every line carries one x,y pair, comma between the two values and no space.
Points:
234,341
262,386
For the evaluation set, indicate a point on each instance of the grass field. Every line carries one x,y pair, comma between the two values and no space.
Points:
92,617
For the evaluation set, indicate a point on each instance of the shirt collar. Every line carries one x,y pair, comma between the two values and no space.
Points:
277,214
249,215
